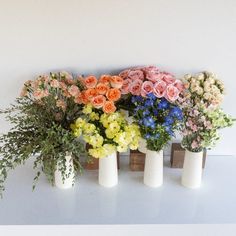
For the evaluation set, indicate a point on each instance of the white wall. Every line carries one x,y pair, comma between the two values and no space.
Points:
93,36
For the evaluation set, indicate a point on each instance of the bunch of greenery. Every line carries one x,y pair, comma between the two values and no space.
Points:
41,130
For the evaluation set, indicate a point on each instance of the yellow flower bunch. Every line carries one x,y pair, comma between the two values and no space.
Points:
106,133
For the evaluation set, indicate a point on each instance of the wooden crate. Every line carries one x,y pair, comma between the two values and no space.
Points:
177,156
137,160
94,164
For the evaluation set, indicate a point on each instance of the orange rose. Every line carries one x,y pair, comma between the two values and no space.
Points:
109,107
90,93
102,88
113,94
90,81
98,101
116,81
83,97
105,79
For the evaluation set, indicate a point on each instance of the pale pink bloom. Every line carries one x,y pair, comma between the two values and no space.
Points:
126,86
67,75
179,85
78,99
168,78
55,83
159,89
124,74
38,94
153,76
63,86
61,104
147,87
194,144
172,93
74,91
135,87
136,74
152,69
24,92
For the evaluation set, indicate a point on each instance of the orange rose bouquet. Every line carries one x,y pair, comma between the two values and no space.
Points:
102,93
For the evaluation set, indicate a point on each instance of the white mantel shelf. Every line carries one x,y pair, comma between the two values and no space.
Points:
130,202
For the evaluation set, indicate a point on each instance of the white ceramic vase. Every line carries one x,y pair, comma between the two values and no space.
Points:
142,145
68,182
107,172
153,170
192,170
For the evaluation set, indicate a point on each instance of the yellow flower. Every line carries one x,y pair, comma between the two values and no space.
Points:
109,133
79,123
87,109
109,148
73,126
114,127
97,152
89,128
94,116
122,148
96,140
77,132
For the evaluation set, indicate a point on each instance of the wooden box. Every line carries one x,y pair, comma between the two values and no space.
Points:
177,156
137,160
94,164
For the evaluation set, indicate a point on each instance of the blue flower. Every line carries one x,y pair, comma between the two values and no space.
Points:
149,122
169,130
164,104
146,113
147,136
149,103
176,112
151,96
155,112
169,120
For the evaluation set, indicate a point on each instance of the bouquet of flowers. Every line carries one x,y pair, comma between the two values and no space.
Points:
153,94
203,116
41,120
105,132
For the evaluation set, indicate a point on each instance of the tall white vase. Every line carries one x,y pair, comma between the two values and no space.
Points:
68,182
192,170
107,172
142,145
153,170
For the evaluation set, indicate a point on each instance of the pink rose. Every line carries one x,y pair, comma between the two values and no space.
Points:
168,78
179,85
152,69
135,87
125,87
124,74
73,91
153,76
172,93
147,87
159,89
136,74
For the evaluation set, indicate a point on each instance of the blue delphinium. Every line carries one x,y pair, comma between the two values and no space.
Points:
158,119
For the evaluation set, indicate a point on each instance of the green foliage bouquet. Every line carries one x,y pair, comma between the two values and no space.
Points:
40,120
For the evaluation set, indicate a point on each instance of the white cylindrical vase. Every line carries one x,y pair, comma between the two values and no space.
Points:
69,174
192,170
107,172
142,146
153,169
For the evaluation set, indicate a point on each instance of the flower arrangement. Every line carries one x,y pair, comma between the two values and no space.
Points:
41,119
153,94
203,116
106,132
102,93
